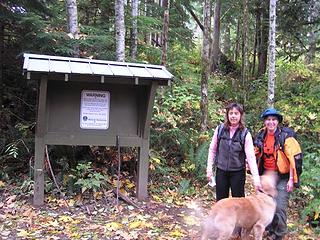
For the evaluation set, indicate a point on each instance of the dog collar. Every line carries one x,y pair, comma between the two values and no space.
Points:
260,190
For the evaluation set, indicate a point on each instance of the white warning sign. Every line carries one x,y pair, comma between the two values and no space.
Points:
94,109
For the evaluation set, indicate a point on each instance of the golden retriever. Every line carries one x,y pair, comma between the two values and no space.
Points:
253,212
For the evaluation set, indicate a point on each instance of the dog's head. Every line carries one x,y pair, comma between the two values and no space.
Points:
269,183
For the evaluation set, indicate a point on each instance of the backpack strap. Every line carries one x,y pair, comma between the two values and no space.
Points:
220,129
284,134
243,135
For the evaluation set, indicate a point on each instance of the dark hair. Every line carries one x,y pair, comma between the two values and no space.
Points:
240,109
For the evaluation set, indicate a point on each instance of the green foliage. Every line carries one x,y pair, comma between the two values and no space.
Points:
185,64
299,85
186,187
87,179
309,193
196,161
27,187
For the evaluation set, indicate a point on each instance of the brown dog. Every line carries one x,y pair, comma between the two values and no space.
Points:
253,212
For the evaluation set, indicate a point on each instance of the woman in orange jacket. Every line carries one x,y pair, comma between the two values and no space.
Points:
285,159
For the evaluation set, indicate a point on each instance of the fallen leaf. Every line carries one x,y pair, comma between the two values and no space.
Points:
65,218
11,199
191,220
176,233
22,233
5,233
135,224
113,226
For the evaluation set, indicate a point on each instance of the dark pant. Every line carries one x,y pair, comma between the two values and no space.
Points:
230,179
279,222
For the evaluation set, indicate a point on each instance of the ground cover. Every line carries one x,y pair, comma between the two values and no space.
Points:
167,214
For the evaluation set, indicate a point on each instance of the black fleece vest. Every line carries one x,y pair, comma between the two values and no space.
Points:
231,155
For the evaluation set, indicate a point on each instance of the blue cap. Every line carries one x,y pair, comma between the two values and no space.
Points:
271,112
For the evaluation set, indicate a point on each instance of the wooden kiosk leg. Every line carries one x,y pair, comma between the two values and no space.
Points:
143,167
38,197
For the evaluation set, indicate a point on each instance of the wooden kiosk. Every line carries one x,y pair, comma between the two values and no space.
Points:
93,102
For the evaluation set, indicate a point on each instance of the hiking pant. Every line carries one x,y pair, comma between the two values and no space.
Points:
278,225
230,179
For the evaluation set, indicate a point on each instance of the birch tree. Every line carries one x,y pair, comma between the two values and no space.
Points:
72,22
205,65
134,32
272,53
120,30
314,8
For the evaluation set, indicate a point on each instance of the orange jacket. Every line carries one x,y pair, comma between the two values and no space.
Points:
286,157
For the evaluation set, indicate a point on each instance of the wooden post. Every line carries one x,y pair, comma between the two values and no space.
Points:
143,158
38,197
143,168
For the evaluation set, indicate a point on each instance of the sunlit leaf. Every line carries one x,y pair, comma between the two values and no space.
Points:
307,231
176,233
190,220
135,224
22,233
113,226
54,223
2,184
65,218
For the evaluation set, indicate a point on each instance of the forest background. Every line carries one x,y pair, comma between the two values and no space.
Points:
218,53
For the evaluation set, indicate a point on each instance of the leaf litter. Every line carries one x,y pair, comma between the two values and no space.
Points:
165,215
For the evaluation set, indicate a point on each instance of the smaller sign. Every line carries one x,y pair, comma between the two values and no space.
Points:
94,109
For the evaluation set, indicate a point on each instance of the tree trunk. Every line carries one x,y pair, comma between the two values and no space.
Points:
148,13
237,44
245,60
165,33
120,30
73,28
134,33
216,36
272,53
314,8
263,44
1,62
256,37
205,66
226,39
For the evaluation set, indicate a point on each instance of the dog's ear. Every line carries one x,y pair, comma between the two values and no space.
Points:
269,183
273,176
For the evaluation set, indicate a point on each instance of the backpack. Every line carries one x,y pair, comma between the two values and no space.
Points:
242,136
284,134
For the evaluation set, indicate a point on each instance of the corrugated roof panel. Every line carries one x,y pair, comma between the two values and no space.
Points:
101,69
80,67
59,66
159,73
38,65
121,70
140,71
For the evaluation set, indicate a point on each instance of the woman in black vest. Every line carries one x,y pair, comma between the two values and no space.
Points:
230,148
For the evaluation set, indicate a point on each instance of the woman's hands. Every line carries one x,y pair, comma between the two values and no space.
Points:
290,185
